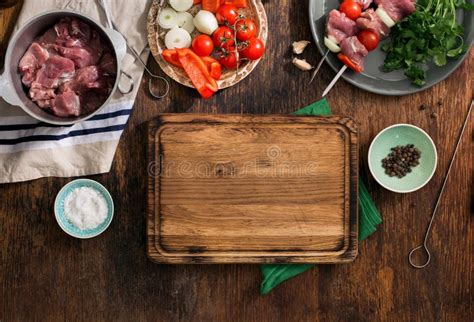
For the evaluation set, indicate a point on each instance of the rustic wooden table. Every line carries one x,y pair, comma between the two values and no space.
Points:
46,275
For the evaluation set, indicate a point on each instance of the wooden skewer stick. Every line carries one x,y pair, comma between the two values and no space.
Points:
319,66
334,80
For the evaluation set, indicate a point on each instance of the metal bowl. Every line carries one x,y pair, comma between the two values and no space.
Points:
11,87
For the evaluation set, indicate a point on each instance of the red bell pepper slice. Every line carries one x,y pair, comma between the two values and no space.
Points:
216,71
208,60
171,56
195,2
213,66
349,63
197,72
237,3
211,5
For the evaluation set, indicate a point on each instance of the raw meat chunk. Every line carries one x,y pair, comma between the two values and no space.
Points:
69,70
339,26
397,9
31,61
108,65
66,104
354,50
369,20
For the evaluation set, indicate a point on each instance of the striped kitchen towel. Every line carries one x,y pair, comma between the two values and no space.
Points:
30,149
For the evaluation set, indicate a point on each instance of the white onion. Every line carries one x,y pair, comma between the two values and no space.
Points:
332,45
185,21
383,15
181,5
206,22
177,38
168,18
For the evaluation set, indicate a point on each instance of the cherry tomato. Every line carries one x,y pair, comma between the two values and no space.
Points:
246,29
202,45
369,39
351,9
254,49
223,37
228,58
227,13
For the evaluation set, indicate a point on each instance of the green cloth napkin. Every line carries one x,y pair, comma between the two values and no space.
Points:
369,218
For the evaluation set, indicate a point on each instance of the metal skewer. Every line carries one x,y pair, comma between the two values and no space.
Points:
424,245
319,66
104,6
334,80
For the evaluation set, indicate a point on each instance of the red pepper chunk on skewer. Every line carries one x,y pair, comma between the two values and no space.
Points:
349,63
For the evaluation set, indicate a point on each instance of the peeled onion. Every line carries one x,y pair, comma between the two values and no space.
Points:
185,21
181,5
332,45
177,38
206,22
168,18
383,15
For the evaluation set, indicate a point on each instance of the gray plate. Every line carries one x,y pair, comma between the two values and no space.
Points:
373,79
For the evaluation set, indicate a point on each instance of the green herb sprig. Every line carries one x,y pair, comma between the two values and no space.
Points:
431,33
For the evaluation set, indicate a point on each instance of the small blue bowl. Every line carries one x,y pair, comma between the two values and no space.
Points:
66,225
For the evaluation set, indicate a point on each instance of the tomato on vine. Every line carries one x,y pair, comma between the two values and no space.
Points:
228,58
227,14
245,29
223,37
253,49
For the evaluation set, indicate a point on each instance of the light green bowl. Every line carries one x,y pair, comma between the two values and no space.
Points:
66,225
403,134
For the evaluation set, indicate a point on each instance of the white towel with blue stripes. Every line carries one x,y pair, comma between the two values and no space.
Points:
30,149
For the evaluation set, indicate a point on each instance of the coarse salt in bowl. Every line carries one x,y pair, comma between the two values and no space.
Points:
84,221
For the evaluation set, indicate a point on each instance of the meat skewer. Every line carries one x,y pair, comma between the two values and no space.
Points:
352,54
338,27
379,22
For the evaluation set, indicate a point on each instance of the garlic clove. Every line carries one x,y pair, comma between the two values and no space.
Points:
302,64
299,46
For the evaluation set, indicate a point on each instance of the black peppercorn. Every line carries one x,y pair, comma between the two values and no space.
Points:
400,161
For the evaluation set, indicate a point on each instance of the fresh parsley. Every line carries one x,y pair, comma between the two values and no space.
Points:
431,33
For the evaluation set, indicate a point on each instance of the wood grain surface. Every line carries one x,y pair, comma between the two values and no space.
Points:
252,189
47,275
7,23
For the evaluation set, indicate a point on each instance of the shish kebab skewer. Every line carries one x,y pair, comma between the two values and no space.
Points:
373,26
389,12
338,27
341,24
355,48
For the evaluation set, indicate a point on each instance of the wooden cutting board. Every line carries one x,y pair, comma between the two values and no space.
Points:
252,189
